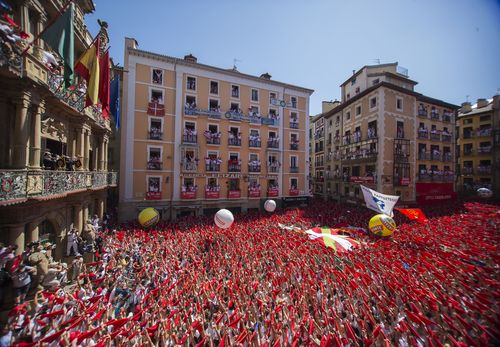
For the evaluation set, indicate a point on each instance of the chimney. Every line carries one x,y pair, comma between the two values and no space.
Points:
482,103
191,58
131,43
265,76
466,107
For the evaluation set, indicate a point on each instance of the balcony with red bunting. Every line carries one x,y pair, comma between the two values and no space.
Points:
153,195
234,194
293,192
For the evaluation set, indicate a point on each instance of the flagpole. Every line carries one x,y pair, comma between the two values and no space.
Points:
49,24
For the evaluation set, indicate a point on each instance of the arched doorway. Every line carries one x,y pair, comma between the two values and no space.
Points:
47,232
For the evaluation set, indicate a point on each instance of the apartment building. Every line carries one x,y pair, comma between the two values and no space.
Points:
390,138
478,146
53,151
196,138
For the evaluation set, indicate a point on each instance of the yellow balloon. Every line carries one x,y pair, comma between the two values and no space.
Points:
382,225
148,217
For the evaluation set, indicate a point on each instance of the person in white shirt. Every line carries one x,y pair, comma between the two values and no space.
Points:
72,242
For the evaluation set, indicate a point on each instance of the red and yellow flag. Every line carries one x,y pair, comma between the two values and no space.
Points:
88,67
414,214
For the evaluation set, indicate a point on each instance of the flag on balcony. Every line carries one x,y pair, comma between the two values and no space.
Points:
60,36
104,83
379,202
88,67
114,100
414,214
156,109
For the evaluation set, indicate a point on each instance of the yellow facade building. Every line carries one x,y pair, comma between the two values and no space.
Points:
53,151
196,138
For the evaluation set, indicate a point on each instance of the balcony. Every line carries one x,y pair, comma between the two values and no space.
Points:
234,166
212,113
468,152
253,168
212,193
273,143
447,157
212,139
253,193
19,185
294,169
190,138
468,134
437,176
154,165
212,167
423,155
234,194
422,113
447,117
484,150
294,125
189,165
466,170
153,196
274,168
234,142
254,143
362,154
401,182
336,139
445,137
434,115
484,132
272,192
362,179
188,195
294,146
435,136
155,134
293,192
423,134
484,170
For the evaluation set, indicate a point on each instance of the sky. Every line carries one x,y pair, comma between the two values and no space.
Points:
450,47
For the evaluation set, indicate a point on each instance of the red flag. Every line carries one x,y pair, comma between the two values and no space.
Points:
414,214
88,68
104,83
87,334
53,337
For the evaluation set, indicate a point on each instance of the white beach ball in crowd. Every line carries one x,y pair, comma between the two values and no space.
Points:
484,193
270,205
224,218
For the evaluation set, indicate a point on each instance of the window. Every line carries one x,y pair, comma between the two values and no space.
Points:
154,184
214,105
375,81
191,83
214,87
157,96
293,161
157,76
293,100
484,118
348,115
235,107
358,110
373,102
255,95
235,91
272,96
254,133
254,110
190,101
400,134
293,183
293,117
154,154
213,128
188,184
254,157
190,126
353,81
272,113
399,103
468,121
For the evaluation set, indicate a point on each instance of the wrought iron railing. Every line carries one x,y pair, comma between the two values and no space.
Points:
20,185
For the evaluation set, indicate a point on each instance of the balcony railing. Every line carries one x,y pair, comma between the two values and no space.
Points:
436,156
233,167
253,168
435,136
294,169
154,165
212,140
189,165
484,149
273,168
424,156
437,177
234,194
484,170
272,192
484,132
360,154
189,195
273,143
446,137
467,170
234,142
422,113
212,193
153,196
423,134
293,192
212,167
468,152
253,193
294,125
18,185
447,156
155,135
254,143
189,138
446,118
294,146
434,115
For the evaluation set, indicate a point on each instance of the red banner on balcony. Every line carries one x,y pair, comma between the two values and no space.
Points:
188,195
234,194
254,193
211,195
153,195
362,179
156,109
293,192
273,192
404,181
429,193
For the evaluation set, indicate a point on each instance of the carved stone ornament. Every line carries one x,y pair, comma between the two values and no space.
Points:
54,129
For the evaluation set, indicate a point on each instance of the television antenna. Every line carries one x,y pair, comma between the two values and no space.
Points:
235,60
377,60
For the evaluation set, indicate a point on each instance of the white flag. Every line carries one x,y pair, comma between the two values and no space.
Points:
379,202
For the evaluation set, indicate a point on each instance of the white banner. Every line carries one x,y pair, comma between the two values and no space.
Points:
379,202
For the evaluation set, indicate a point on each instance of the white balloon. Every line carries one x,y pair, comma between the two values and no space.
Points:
270,205
223,218
484,192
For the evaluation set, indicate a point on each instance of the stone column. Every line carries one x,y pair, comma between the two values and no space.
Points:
101,154
78,225
86,153
36,136
105,155
97,154
85,215
33,232
80,141
16,237
101,208
21,133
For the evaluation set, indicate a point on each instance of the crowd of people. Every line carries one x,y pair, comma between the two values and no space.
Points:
189,283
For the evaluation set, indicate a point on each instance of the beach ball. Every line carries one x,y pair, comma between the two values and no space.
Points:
270,205
148,217
382,225
224,218
484,193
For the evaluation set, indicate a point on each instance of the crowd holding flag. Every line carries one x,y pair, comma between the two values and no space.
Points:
414,214
379,202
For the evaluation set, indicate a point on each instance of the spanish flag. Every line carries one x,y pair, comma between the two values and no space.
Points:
88,67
